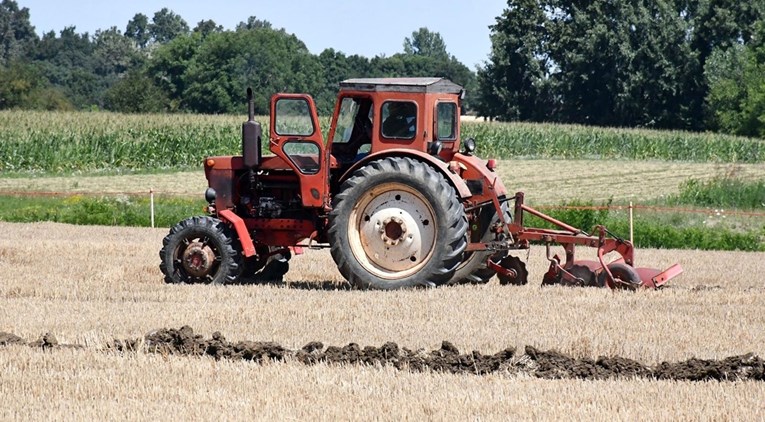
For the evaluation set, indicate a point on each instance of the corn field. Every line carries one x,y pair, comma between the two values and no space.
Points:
576,142
82,141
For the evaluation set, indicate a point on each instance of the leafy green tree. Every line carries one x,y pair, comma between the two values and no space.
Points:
253,23
337,67
166,26
425,43
168,65
138,30
207,27
602,62
621,63
22,85
267,60
114,54
17,34
514,84
736,79
136,93
68,62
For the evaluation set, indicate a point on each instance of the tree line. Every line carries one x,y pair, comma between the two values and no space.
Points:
678,64
160,64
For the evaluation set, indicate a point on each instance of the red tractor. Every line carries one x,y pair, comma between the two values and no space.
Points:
394,193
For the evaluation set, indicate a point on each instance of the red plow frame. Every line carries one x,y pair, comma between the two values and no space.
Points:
619,273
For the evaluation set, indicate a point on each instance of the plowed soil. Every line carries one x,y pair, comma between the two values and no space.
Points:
548,364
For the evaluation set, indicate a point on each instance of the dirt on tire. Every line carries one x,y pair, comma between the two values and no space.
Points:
549,364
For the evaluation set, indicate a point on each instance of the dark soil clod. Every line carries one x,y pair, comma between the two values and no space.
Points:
548,364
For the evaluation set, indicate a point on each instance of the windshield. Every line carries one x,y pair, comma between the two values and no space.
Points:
348,110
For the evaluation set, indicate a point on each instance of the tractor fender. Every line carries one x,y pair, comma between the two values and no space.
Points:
228,216
454,179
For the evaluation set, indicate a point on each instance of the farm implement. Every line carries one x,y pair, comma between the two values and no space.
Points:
618,273
394,193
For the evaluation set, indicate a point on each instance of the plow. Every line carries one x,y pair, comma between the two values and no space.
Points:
619,273
394,193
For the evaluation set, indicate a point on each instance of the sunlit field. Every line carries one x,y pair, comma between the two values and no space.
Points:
89,285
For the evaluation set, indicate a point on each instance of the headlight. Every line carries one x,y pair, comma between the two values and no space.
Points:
435,147
469,145
210,195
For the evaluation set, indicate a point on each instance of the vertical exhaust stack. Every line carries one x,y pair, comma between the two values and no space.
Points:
251,134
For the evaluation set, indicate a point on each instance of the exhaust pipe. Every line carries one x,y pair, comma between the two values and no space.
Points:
251,134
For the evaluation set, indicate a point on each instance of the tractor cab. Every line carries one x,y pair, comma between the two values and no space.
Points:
371,116
375,115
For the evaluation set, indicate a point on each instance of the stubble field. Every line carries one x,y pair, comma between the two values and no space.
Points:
90,285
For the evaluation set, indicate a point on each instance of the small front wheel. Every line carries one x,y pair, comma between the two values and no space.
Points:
200,250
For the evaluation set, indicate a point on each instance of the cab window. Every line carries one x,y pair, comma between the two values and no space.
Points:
305,155
399,119
446,114
293,117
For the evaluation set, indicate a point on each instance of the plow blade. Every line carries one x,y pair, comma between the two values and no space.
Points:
653,278
616,275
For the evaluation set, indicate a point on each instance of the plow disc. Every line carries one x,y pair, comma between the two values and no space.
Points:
615,275
510,270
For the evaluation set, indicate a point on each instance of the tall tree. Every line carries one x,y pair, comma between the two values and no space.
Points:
68,62
207,27
166,26
603,62
336,67
736,79
113,53
267,60
717,25
138,30
253,23
425,43
514,84
16,32
621,63
168,65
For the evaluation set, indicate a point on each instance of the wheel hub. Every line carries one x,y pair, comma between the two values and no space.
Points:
392,230
396,232
198,259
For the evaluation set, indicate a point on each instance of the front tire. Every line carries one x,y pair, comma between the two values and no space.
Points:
397,223
200,250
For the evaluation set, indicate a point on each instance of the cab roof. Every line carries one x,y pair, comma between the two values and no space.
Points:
424,85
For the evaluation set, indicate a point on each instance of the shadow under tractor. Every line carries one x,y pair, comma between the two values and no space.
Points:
394,193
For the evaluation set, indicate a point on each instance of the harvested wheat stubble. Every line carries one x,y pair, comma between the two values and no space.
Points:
542,364
91,284
88,384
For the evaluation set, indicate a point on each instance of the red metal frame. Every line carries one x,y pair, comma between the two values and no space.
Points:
569,237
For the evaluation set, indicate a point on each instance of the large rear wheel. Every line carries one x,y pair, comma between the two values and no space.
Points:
200,250
397,223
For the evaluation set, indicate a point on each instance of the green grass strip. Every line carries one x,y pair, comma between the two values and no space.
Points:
135,211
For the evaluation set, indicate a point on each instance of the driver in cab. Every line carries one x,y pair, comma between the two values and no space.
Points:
401,121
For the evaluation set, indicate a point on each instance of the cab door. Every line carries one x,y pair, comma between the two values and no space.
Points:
295,137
